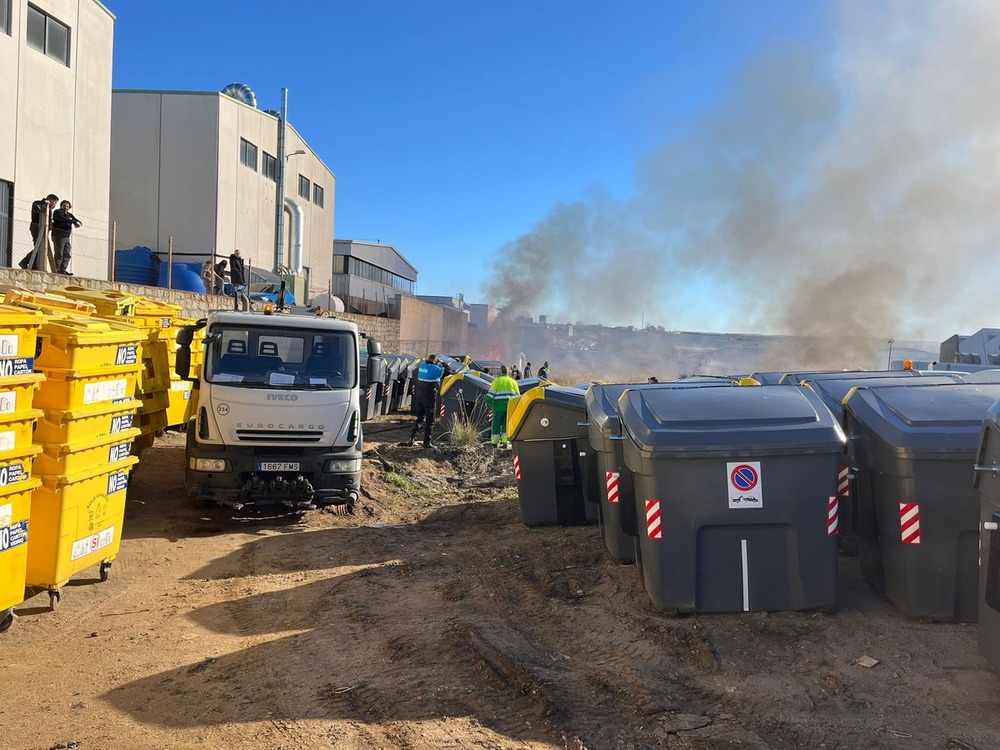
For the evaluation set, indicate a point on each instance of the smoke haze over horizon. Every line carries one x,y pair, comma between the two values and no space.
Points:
851,192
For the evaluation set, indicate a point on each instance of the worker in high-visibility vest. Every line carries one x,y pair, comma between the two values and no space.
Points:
502,390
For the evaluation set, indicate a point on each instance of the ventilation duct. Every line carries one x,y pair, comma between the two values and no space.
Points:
241,92
295,252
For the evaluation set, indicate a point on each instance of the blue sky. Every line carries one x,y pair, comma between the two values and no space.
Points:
456,126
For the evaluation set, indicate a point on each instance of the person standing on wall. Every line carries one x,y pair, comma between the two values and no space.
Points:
219,270
502,390
63,224
543,371
429,376
527,370
39,223
237,277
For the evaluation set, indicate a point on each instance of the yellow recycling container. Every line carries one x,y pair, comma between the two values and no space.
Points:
88,344
183,403
15,509
84,424
106,301
70,390
49,303
83,455
76,522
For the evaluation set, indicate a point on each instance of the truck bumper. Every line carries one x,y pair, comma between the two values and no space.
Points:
295,477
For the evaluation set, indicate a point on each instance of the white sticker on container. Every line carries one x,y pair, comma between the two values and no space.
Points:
92,543
744,482
8,345
6,514
109,390
8,402
180,385
7,440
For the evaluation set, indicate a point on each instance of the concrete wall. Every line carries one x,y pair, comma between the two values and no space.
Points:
55,119
426,328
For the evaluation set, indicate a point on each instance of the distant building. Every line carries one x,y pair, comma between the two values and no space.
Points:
201,167
55,120
368,277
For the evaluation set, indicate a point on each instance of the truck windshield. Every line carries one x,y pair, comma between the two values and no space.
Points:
282,357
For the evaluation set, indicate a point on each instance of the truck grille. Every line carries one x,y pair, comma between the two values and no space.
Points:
280,436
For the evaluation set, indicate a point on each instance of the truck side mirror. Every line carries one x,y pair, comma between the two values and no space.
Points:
185,336
374,347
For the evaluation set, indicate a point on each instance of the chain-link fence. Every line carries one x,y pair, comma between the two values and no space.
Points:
82,252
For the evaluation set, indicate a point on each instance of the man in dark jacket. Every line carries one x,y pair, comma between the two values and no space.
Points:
63,224
238,278
39,223
425,397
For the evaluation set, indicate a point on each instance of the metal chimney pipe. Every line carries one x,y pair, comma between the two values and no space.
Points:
279,203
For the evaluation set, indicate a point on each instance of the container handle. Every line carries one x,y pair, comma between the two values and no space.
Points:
994,468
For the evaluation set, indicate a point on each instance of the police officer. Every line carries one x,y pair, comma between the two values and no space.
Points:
425,397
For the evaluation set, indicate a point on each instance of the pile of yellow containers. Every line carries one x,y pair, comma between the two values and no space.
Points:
18,330
83,438
155,319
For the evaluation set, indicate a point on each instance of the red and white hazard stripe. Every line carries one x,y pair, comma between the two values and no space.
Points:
441,411
832,513
368,393
843,483
909,523
612,479
654,529
517,468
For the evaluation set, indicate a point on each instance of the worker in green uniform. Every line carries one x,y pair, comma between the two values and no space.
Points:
502,390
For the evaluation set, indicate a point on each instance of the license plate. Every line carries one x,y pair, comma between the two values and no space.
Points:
276,466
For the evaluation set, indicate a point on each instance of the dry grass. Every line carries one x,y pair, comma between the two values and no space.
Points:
462,431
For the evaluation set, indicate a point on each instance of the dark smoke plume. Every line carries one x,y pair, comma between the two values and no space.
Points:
850,194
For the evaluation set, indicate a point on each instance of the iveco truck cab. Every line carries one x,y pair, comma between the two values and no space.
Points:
278,417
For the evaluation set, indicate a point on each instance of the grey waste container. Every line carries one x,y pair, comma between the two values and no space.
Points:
912,450
767,378
987,480
797,378
390,400
735,495
463,397
372,374
553,461
614,479
407,376
982,376
833,391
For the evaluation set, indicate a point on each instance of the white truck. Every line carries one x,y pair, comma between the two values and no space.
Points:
278,418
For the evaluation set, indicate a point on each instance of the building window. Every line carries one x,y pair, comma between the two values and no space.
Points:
248,154
269,167
5,16
6,220
318,193
46,34
304,187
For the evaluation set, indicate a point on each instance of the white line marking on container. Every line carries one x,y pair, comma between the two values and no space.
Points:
746,577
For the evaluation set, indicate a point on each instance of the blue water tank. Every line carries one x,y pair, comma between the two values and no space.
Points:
186,277
136,266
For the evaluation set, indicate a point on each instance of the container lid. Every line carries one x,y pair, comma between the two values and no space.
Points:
466,381
938,419
767,378
47,302
107,301
602,400
835,390
795,378
723,421
552,396
11,315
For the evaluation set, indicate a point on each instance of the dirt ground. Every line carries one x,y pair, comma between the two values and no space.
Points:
435,619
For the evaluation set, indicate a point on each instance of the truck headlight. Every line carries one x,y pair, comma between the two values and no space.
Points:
348,466
209,464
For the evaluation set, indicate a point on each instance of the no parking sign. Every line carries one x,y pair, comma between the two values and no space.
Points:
745,487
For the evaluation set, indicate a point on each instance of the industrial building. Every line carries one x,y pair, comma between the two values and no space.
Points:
55,120
199,172
370,276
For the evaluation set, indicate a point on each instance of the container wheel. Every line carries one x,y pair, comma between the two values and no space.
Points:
7,621
105,571
55,597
